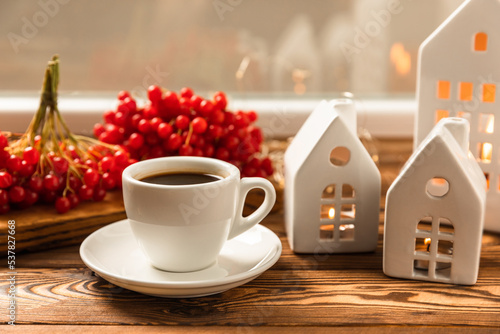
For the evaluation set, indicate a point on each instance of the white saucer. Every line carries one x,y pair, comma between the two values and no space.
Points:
113,254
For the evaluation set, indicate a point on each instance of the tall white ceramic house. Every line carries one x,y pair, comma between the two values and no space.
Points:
435,210
332,185
459,76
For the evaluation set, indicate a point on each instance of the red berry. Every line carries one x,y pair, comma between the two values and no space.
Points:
241,120
186,92
174,142
60,165
5,180
267,165
252,116
222,154
182,122
73,200
62,204
185,150
206,107
35,183
51,182
13,163
30,198
108,181
196,102
85,192
17,194
155,122
91,177
149,111
144,126
184,106
136,140
4,156
99,194
120,118
164,130
26,169
220,100
231,142
154,93
107,163
215,131
217,117
98,130
122,95
199,124
121,158
3,141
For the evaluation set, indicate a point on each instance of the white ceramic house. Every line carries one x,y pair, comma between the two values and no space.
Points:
435,210
332,186
458,75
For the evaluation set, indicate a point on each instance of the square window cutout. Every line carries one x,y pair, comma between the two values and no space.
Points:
326,232
486,123
348,211
443,91
346,232
327,211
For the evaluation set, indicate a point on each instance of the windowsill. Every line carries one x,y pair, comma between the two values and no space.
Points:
279,117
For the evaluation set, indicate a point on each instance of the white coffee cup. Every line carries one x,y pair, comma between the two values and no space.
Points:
183,228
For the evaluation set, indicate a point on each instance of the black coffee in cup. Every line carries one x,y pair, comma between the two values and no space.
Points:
178,179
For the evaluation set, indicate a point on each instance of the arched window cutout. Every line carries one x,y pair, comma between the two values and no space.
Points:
347,191
329,192
481,42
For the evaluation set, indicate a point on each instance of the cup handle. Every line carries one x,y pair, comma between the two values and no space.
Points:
242,224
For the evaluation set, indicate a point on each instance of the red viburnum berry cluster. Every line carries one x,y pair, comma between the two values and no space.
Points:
64,176
50,164
185,124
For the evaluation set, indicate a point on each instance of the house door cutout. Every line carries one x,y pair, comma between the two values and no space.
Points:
433,252
337,213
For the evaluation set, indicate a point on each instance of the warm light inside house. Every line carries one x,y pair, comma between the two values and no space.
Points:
489,92
487,123
485,152
427,242
465,91
443,91
401,59
440,114
331,213
481,42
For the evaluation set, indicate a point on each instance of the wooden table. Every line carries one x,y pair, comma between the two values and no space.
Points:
56,292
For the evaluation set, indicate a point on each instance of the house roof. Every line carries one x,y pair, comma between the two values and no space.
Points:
470,11
455,141
336,113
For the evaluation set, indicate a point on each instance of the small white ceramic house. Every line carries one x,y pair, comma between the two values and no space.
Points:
458,76
332,186
435,210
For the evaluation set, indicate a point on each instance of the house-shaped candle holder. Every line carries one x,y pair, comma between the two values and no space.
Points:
332,186
458,75
435,210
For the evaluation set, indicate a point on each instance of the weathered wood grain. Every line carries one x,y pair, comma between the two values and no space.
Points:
343,293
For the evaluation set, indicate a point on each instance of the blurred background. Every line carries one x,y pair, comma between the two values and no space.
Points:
316,47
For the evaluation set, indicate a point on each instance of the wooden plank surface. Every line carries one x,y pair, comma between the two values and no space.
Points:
56,292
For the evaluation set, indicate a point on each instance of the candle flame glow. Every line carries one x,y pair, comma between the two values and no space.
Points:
331,213
427,241
486,152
